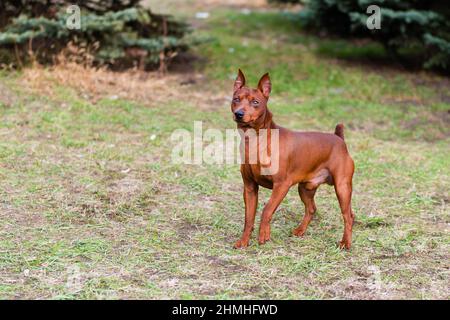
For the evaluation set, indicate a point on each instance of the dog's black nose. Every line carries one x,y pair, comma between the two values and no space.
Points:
239,114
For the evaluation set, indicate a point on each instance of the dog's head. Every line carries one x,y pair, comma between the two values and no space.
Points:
249,106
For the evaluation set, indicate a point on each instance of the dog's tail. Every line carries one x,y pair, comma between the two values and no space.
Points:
339,131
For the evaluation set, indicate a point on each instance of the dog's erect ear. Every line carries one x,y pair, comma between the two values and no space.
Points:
240,81
264,85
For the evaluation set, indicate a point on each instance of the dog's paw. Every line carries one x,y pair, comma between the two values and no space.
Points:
344,245
241,243
264,234
298,232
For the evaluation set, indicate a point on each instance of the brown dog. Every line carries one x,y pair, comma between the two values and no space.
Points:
304,158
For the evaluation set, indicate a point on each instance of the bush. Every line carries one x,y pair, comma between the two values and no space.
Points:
415,31
117,33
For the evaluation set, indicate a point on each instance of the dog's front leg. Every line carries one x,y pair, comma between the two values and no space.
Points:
278,193
251,203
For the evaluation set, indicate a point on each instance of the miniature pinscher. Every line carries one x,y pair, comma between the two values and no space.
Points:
304,158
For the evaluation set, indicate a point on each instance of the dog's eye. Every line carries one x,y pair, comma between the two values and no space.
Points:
236,100
255,102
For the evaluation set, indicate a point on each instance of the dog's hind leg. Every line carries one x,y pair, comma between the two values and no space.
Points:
342,178
307,195
344,195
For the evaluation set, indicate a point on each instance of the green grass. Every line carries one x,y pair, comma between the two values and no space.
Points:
85,188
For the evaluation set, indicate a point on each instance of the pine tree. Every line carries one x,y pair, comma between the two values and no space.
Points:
117,32
411,30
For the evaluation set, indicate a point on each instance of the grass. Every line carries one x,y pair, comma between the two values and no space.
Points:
92,207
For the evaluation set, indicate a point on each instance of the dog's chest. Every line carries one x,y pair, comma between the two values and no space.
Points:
254,171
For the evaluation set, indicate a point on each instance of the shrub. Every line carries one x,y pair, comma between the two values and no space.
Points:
414,31
117,33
